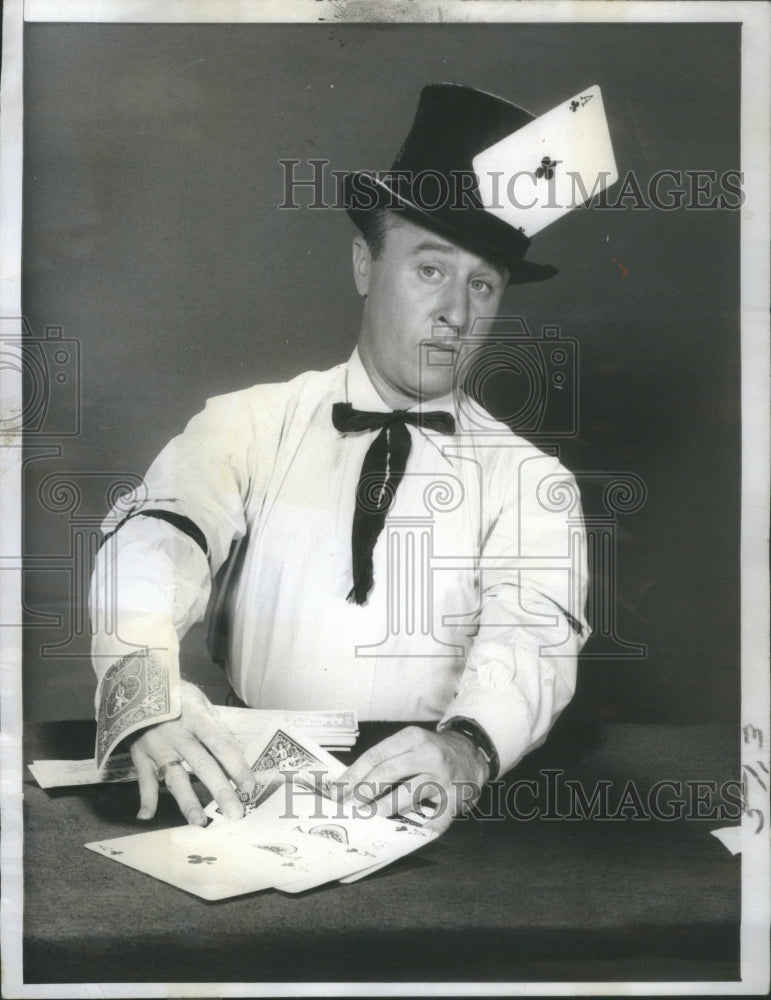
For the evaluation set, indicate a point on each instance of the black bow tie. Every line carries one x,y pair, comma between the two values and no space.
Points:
381,472
345,419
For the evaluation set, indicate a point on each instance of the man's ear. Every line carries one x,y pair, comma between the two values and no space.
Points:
362,263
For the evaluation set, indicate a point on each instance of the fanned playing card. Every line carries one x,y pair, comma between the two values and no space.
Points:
139,690
284,754
557,162
225,859
406,833
206,862
306,860
294,835
369,842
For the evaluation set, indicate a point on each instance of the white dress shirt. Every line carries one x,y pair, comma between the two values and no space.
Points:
480,570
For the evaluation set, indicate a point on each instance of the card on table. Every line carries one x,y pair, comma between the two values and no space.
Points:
61,773
278,754
224,859
408,834
294,835
311,860
202,861
371,841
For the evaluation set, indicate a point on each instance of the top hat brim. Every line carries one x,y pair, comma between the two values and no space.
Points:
383,196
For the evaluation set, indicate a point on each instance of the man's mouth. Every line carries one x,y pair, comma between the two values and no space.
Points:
440,353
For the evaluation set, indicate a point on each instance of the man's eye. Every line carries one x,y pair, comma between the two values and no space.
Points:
480,285
429,271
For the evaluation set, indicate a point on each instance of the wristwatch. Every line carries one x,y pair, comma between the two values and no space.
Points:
474,732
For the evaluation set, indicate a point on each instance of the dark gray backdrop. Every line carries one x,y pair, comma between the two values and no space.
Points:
153,239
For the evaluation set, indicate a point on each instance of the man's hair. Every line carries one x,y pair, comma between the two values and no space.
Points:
374,225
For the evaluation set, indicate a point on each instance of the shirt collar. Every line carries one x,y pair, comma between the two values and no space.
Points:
362,394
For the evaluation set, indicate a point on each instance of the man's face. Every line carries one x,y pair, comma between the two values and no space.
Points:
421,289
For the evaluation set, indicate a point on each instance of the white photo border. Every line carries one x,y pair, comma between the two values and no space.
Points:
755,146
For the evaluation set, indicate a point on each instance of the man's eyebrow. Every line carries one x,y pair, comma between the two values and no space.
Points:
429,245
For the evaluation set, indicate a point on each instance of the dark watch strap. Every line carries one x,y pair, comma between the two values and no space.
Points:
473,731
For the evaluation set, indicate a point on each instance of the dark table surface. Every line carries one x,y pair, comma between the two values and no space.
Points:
506,900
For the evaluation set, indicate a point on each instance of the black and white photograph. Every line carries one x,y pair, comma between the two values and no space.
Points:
385,498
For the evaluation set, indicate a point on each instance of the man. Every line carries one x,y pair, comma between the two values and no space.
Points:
379,540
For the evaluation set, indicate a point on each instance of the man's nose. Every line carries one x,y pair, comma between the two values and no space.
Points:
452,311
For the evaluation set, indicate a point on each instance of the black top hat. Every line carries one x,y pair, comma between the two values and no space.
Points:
433,181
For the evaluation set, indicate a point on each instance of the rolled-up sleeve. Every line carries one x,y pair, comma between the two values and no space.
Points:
152,578
521,669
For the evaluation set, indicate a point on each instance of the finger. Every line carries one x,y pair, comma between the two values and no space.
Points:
405,797
440,822
212,775
438,802
393,746
391,772
148,785
429,795
178,784
224,747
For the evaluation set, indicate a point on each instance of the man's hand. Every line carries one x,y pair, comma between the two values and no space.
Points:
199,738
412,766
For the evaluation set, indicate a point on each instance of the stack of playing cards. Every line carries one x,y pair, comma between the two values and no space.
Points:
335,730
143,688
295,834
58,773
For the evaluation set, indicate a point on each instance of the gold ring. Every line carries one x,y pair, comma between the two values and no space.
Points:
160,774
